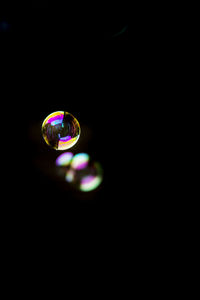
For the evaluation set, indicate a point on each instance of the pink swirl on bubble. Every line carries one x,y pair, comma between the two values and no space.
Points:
56,118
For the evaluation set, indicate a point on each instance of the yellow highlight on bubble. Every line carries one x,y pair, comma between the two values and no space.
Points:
61,130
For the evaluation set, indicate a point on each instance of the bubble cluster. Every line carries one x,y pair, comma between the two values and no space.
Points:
61,130
81,172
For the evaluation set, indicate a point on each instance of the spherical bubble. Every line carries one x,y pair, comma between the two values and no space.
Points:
61,130
84,174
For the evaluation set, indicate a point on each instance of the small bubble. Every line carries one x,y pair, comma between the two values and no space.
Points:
61,130
64,159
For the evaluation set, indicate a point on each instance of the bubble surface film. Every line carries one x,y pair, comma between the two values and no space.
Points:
61,130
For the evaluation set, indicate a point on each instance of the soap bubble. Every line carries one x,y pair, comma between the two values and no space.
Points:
80,161
64,159
61,130
62,163
84,174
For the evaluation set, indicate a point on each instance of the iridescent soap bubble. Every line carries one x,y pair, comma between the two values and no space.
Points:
64,159
84,174
61,130
62,163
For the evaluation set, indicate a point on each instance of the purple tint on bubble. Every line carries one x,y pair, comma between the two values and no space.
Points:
82,165
65,139
64,159
87,179
55,119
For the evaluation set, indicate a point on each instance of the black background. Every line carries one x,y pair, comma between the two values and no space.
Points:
57,57
63,57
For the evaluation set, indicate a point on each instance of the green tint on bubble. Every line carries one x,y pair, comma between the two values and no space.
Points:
61,130
84,174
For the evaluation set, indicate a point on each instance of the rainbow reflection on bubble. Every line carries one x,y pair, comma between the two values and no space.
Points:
89,183
61,130
64,159
80,161
84,174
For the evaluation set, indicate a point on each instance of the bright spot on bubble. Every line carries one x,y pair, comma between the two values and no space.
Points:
64,159
84,174
61,130
80,161
90,183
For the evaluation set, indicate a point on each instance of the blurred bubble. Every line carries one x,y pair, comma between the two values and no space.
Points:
61,130
84,174
80,161
64,159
